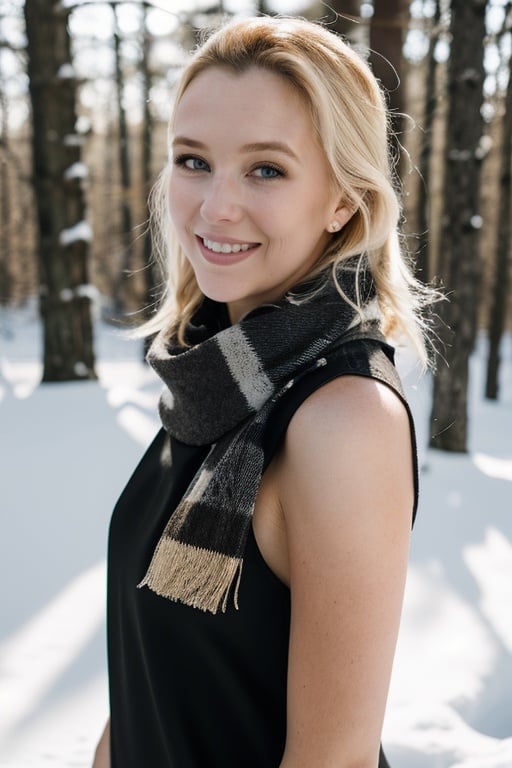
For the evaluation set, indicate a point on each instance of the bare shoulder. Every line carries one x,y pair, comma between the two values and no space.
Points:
351,440
346,491
350,419
350,400
347,462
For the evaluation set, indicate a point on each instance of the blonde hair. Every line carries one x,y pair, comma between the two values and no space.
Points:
349,114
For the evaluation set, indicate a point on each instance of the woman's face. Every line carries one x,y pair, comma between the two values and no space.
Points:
250,194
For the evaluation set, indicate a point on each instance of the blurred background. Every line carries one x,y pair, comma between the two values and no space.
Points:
85,94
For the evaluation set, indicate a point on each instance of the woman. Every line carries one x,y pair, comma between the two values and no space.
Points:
287,446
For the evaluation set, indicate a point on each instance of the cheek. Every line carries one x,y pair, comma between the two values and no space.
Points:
300,210
179,201
173,202
277,218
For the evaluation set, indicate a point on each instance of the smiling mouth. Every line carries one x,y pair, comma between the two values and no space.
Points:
216,247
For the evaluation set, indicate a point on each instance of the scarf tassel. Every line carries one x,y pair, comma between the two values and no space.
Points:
192,575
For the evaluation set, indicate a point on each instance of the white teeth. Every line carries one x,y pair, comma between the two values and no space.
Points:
225,247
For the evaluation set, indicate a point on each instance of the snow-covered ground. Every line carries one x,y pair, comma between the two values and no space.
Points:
66,452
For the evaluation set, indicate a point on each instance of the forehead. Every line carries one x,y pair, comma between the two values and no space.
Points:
257,97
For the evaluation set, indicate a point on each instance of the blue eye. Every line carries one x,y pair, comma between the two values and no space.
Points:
268,172
191,163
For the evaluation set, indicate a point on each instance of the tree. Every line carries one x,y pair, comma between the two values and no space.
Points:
16,272
153,277
387,31
63,233
347,22
5,201
423,261
459,254
498,304
262,8
120,298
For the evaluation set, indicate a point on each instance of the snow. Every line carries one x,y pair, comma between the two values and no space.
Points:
81,369
89,291
76,171
85,290
484,146
73,140
66,72
449,703
66,295
80,231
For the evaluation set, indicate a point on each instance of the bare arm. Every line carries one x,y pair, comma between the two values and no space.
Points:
102,754
346,491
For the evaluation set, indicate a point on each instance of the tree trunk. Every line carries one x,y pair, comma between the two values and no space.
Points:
108,194
503,249
262,8
387,31
423,266
459,255
151,273
121,299
347,22
5,203
63,233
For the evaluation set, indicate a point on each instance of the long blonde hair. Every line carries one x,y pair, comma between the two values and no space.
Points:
349,114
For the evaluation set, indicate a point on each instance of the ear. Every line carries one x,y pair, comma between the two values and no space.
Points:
340,216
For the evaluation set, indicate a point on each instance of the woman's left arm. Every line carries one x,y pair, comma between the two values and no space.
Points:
346,491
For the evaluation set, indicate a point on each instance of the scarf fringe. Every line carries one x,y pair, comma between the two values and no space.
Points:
197,577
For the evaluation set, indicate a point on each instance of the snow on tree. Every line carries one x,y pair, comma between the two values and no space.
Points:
63,233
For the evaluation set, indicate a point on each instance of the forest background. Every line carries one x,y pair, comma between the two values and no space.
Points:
85,91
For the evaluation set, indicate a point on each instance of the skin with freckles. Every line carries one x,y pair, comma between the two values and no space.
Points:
248,170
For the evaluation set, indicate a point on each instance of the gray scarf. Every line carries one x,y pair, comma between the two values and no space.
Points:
221,391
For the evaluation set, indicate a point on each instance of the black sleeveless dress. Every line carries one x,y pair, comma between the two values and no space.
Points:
190,689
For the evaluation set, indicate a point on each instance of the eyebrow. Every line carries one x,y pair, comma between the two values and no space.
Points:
256,146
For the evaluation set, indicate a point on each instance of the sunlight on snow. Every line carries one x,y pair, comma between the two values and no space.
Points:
140,427
22,378
441,738
121,395
491,566
35,656
437,623
494,467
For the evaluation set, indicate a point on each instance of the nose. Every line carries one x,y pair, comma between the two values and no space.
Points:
221,201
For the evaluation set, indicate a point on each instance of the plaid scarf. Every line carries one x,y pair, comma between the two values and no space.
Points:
221,390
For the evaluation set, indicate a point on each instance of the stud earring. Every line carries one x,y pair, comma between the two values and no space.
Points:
334,226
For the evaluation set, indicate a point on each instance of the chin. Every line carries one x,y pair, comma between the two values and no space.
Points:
219,292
